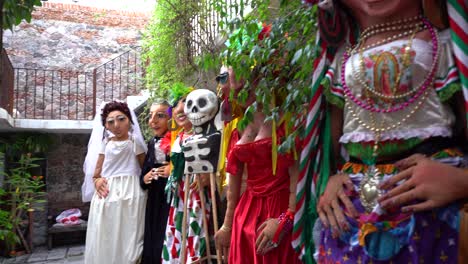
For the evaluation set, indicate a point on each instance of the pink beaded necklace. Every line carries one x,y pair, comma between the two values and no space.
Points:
427,81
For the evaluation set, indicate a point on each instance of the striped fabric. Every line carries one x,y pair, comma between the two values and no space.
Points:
452,77
309,169
458,19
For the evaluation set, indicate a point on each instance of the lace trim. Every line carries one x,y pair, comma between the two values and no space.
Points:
422,133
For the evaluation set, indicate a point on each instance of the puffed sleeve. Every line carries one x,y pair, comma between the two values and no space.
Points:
447,81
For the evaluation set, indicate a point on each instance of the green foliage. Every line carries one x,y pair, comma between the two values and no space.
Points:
14,11
21,143
278,68
275,60
165,38
21,191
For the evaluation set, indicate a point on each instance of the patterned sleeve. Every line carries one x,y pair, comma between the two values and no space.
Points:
331,83
446,82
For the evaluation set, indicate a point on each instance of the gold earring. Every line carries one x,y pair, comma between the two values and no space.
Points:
172,125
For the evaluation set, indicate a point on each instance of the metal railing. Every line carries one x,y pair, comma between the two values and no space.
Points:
7,83
118,78
73,95
53,94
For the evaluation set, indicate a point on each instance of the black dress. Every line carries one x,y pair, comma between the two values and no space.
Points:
157,208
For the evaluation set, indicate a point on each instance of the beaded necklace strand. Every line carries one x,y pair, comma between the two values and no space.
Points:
421,88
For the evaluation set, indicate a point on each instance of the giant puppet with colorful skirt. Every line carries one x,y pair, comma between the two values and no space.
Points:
194,157
388,84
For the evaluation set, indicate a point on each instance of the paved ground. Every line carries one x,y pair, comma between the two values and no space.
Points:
59,255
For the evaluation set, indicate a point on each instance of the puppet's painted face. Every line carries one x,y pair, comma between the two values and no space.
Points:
118,124
201,106
364,10
200,149
158,119
179,115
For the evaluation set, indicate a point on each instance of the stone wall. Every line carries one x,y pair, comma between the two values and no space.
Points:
59,57
66,36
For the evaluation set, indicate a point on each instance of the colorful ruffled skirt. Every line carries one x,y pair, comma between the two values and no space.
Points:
393,236
195,247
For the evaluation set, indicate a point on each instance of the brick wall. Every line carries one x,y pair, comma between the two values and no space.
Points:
91,15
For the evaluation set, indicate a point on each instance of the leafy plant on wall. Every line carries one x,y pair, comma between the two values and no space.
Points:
274,56
166,45
14,11
277,51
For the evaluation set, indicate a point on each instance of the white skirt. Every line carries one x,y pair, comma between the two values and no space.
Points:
116,223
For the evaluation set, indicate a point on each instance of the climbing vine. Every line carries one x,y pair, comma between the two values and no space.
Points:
274,55
160,48
179,31
271,44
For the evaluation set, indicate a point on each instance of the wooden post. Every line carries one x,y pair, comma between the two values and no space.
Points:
215,212
205,221
94,91
183,246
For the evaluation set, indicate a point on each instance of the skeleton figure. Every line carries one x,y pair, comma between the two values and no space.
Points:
201,150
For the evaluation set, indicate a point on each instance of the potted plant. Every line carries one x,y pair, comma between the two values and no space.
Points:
21,192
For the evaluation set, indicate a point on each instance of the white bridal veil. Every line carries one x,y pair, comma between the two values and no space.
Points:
94,144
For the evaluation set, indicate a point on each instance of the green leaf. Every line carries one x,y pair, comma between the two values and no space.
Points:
297,56
291,45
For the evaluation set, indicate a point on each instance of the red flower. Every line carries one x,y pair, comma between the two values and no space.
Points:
265,33
166,143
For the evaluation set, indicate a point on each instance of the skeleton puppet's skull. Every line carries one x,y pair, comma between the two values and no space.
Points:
201,106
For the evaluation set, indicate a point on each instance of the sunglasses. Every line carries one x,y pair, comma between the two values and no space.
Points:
111,121
222,78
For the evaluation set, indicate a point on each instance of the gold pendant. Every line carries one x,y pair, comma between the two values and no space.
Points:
369,190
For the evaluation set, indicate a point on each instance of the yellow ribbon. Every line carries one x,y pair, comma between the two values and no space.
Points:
225,140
